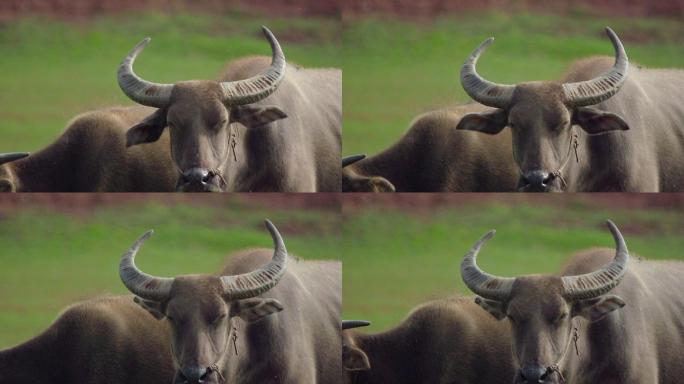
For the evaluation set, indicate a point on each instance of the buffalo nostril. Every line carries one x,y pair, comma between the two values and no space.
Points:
205,375
536,178
194,374
196,176
533,373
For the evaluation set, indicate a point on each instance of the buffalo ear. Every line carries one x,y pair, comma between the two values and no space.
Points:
6,185
153,307
380,184
490,122
147,131
597,308
495,308
251,310
595,121
354,359
351,182
255,116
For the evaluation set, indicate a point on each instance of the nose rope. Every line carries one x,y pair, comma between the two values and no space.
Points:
574,143
232,144
233,141
234,338
215,367
555,368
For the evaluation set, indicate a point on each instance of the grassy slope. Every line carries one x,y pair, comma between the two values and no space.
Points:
395,260
51,71
50,260
395,70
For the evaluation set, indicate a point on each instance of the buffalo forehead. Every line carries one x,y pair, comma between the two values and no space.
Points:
543,293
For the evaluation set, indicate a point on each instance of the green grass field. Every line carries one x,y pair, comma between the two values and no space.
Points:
49,260
51,70
395,70
394,260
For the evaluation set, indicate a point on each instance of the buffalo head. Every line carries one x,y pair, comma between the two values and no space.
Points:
541,116
541,308
201,308
353,182
353,358
8,179
199,115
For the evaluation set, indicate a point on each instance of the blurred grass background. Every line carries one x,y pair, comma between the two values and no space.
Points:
399,255
53,69
396,69
52,257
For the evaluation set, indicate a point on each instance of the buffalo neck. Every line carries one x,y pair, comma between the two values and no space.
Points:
30,362
256,161
260,351
392,356
599,347
36,173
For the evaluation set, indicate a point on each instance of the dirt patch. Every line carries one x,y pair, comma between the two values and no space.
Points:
428,202
86,8
85,203
431,8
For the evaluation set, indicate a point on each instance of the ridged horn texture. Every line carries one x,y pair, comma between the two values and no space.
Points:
480,89
138,282
480,282
349,324
9,157
591,285
349,160
137,89
603,87
256,88
257,282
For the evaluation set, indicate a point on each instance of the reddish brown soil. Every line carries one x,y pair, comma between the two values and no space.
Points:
350,8
86,202
418,202
85,8
430,201
430,8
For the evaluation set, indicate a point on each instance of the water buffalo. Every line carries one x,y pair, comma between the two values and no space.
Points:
262,319
435,157
605,319
442,342
605,126
98,341
230,328
91,156
263,126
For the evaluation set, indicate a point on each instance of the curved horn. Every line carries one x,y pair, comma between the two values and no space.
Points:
257,282
349,160
481,283
349,324
9,157
480,89
138,282
599,282
603,87
255,88
140,90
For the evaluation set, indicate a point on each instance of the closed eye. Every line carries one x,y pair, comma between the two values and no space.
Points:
560,318
218,319
220,124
